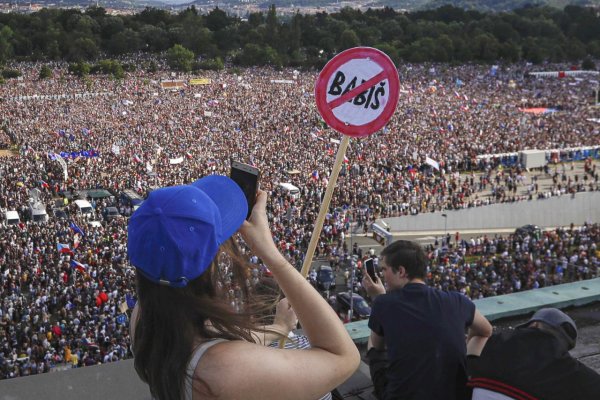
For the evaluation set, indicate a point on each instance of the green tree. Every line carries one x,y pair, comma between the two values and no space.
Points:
271,57
252,54
272,27
575,49
256,19
179,58
83,49
390,50
45,72
486,47
154,38
217,19
10,73
593,48
214,64
6,49
127,41
348,39
509,51
111,25
588,65
80,69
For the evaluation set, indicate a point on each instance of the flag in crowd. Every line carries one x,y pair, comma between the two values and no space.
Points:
433,163
78,266
130,300
76,228
64,248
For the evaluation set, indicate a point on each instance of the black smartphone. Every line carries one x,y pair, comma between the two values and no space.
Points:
247,177
371,269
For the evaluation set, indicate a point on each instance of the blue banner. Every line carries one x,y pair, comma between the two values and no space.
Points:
74,154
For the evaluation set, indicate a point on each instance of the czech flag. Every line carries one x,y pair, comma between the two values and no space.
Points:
64,248
78,266
315,175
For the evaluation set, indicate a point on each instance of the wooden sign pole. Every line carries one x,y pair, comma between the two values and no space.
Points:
339,160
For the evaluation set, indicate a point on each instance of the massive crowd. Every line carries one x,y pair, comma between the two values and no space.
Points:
145,137
489,266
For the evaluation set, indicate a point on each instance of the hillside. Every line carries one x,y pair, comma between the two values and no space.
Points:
502,5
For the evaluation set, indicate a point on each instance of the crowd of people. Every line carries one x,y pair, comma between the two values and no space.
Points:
70,306
489,266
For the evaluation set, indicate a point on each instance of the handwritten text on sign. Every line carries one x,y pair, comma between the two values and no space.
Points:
358,92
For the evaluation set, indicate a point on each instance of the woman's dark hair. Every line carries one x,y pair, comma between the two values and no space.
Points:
407,254
170,319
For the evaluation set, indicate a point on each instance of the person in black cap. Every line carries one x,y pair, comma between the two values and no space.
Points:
193,336
532,361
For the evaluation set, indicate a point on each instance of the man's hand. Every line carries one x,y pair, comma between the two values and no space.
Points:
373,289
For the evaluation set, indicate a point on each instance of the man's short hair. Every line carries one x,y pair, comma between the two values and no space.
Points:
407,254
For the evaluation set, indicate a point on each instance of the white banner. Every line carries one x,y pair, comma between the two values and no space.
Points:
433,163
63,164
176,160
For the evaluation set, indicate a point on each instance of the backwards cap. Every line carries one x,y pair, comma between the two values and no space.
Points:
176,233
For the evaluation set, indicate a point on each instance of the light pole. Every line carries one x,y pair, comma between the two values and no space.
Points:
445,225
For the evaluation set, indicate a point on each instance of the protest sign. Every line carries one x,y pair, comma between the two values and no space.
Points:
200,81
356,94
357,91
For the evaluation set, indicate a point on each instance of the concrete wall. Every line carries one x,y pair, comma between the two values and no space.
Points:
555,211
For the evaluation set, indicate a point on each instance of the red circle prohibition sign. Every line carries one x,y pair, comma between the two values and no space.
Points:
357,91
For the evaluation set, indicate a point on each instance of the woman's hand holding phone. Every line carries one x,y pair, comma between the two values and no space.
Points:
257,234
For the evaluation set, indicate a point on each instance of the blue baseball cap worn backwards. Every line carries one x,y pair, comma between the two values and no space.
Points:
176,233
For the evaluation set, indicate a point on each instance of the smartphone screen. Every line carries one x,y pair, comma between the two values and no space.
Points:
246,176
371,269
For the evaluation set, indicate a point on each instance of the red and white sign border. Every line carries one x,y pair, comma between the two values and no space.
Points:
332,66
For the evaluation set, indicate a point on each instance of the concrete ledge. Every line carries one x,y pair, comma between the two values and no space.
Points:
555,211
559,296
101,382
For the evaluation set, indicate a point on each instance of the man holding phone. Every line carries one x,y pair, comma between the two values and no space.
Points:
417,347
370,266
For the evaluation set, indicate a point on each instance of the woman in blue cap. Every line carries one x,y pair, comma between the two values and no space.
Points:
188,341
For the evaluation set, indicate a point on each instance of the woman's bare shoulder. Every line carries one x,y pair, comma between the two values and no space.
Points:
242,370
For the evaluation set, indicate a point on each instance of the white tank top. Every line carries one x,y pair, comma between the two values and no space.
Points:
196,356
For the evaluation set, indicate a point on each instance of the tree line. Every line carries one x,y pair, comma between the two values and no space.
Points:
192,40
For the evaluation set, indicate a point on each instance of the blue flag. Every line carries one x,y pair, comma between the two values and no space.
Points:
130,301
76,229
